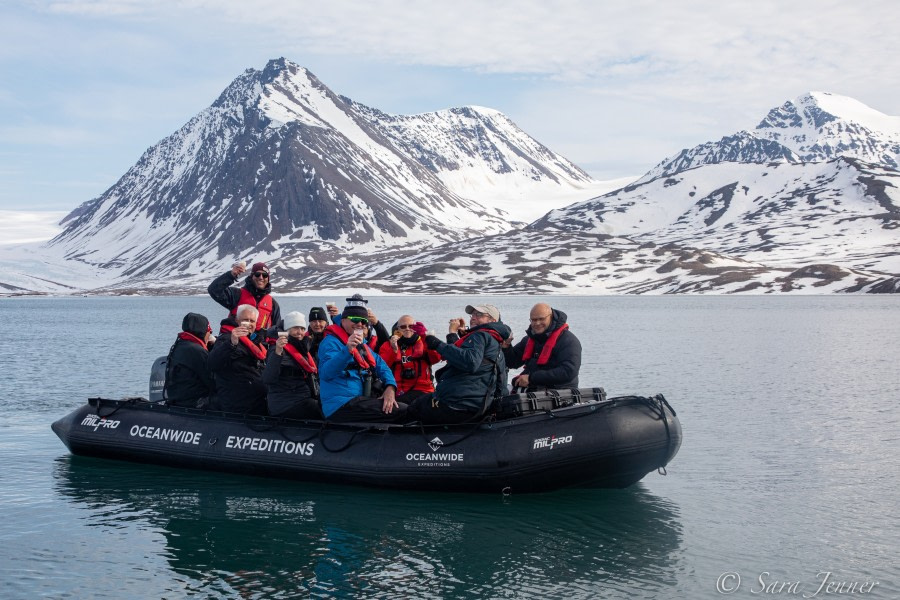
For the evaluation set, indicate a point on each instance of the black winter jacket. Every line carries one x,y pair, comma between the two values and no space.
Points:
222,291
464,382
561,371
288,385
238,373
188,378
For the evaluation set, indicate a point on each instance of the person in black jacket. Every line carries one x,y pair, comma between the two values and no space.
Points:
550,352
291,375
318,321
237,361
189,381
475,373
256,291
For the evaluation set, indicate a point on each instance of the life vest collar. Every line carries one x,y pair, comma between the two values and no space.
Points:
548,348
364,362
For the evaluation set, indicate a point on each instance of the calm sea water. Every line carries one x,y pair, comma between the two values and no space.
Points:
787,476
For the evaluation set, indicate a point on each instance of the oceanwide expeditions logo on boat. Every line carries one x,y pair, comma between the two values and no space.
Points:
435,458
548,443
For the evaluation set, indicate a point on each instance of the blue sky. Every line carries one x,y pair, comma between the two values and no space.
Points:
88,85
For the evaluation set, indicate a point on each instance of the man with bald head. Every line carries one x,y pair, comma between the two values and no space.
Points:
550,352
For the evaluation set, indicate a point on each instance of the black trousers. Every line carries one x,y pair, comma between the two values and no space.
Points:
363,409
431,412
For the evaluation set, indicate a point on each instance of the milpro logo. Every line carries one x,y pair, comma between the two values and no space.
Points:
96,421
548,443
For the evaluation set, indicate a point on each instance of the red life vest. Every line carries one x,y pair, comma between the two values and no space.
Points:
190,337
258,350
364,362
306,362
547,349
493,333
415,356
264,306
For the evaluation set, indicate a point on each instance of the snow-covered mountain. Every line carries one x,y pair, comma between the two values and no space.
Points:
840,211
280,168
342,196
812,128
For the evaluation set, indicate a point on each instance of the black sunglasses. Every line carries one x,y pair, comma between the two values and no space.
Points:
262,274
404,326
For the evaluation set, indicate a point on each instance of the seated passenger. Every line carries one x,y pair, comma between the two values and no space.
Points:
475,373
376,332
290,375
351,374
409,359
237,361
318,321
550,352
188,379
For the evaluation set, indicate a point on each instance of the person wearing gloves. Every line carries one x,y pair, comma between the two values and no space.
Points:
405,353
475,373
550,352
290,374
256,292
355,383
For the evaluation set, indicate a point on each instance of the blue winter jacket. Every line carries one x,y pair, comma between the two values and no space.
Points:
339,380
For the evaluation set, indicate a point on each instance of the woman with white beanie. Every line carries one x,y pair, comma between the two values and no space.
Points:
291,374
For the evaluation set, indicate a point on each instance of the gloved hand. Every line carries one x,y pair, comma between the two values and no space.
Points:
432,342
419,328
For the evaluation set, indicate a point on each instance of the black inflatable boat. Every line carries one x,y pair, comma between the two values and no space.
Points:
532,442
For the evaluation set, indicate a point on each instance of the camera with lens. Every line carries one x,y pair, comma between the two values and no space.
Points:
408,373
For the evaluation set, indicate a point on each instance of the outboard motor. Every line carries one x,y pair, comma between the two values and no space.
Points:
158,379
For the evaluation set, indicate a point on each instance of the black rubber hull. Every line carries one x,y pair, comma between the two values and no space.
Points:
612,443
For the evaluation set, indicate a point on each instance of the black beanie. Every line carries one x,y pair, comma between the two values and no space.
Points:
355,311
195,324
317,313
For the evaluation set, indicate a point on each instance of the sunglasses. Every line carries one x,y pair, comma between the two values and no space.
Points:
362,320
261,275
404,326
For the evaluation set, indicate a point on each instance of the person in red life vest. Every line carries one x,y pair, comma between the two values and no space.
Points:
237,361
550,352
352,376
409,359
189,381
256,291
475,374
291,375
318,321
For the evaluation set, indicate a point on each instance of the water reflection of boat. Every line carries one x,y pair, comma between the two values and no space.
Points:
583,442
229,534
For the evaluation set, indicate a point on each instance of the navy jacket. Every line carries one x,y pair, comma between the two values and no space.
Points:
469,375
561,371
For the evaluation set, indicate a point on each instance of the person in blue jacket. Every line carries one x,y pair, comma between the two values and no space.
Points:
356,385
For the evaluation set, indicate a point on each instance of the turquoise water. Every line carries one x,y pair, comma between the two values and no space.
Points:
786,476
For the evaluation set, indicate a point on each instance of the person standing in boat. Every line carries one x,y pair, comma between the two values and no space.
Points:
318,321
189,381
291,375
550,352
237,361
405,353
256,292
475,373
352,376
